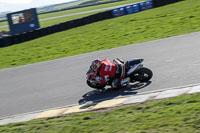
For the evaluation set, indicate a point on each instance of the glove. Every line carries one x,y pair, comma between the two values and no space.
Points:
98,79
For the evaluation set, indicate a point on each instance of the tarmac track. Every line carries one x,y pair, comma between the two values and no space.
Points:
174,61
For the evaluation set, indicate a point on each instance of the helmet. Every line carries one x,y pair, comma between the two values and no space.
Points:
95,65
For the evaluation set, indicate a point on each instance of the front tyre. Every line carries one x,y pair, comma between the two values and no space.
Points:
95,86
142,75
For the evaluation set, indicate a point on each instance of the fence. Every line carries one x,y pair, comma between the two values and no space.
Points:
70,8
134,8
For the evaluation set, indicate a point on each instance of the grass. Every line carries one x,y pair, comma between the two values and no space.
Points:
171,20
4,28
87,8
56,21
177,115
64,19
79,3
3,23
65,5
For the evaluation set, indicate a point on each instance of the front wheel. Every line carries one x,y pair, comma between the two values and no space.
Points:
142,75
95,86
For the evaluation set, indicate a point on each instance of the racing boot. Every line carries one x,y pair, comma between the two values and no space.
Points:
125,81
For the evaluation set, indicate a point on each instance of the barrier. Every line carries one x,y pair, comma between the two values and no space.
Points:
94,17
100,16
78,22
15,39
119,12
29,35
52,29
158,3
5,41
63,26
36,34
108,14
87,20
2,42
146,5
134,8
41,32
23,37
142,6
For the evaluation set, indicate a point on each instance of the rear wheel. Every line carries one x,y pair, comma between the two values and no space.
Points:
143,75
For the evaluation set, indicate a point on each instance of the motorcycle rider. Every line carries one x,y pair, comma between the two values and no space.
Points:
105,70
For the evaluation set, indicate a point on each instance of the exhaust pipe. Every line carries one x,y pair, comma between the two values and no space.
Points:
135,67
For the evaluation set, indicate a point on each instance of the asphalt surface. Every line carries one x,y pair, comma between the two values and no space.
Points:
174,62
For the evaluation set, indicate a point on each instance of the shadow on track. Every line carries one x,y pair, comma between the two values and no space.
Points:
106,94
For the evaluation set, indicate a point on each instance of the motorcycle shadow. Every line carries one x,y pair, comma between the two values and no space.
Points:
108,93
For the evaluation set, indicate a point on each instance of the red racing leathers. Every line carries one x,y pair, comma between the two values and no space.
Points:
106,71
114,71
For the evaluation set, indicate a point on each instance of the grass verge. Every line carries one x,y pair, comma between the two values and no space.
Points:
177,115
176,19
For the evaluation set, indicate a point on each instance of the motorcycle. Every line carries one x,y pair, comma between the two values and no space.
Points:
134,71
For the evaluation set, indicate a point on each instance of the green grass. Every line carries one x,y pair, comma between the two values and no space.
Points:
87,8
56,21
3,24
74,4
66,5
171,20
80,3
177,115
64,19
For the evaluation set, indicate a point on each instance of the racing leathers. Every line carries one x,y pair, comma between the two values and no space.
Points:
111,70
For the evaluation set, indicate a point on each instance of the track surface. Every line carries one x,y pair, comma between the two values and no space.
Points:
174,61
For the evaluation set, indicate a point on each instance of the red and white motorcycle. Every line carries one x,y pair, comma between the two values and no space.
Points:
134,71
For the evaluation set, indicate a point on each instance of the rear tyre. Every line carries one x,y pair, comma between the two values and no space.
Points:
142,75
